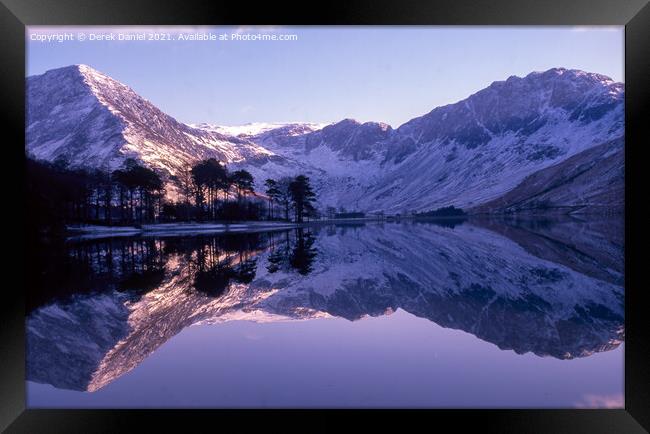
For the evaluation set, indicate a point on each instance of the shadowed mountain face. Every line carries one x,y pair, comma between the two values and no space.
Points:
591,181
522,285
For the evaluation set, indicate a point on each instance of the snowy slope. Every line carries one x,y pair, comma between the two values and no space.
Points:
470,152
593,180
86,117
340,158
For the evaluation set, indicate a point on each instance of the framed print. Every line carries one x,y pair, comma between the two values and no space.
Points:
423,209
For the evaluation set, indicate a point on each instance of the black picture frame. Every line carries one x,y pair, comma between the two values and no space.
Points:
633,14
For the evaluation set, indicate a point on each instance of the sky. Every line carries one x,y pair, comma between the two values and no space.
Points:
376,73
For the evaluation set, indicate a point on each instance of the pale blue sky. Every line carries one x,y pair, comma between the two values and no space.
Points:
388,74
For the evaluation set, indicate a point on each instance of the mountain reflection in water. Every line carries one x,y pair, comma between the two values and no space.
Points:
549,287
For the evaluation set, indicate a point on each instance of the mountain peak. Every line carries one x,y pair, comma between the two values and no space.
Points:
92,120
84,68
92,73
347,122
523,104
564,75
79,68
460,154
571,74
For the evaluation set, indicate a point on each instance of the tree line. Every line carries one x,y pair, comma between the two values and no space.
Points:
291,195
58,194
209,191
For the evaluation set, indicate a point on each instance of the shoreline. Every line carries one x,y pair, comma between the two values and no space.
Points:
172,229
100,231
81,232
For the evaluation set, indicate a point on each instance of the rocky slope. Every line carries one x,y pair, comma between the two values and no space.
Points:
473,151
591,181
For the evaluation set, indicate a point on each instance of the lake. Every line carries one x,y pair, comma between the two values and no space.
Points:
476,313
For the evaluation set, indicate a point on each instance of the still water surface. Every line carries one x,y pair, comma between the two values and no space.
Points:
526,313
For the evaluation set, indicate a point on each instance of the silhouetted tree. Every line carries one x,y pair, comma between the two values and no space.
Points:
186,185
242,181
106,186
302,196
284,195
273,194
140,190
209,178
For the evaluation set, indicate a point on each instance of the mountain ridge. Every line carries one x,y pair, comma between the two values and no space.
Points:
461,154
137,128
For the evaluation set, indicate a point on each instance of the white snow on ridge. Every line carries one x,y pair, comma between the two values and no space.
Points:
254,128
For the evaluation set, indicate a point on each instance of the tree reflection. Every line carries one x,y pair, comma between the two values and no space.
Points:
218,262
554,291
294,253
134,265
303,254
138,265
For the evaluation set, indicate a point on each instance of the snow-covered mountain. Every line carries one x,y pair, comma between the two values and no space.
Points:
463,154
475,150
342,159
91,120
